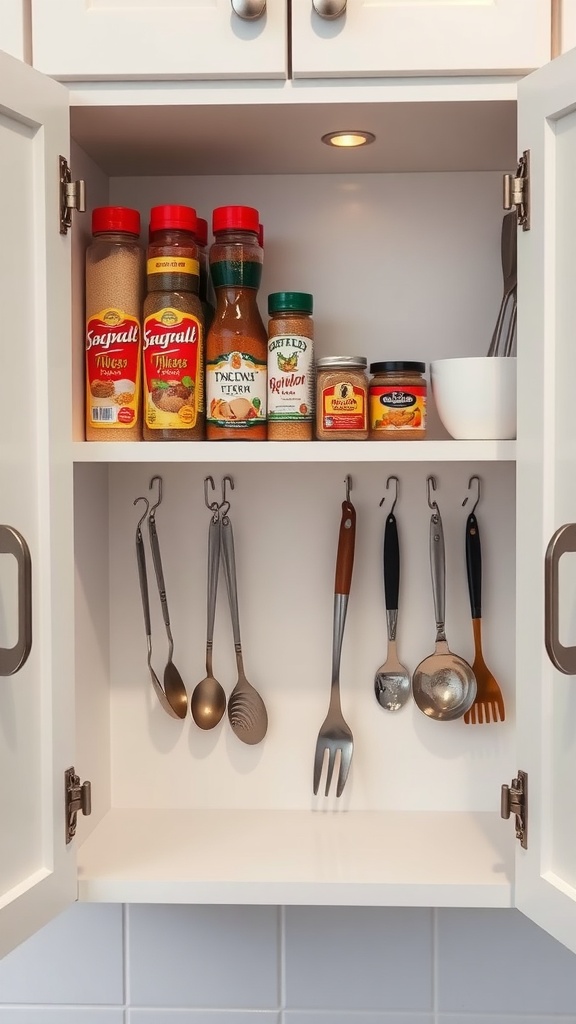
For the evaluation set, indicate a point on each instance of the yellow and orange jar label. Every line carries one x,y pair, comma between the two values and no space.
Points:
343,407
112,369
394,408
173,385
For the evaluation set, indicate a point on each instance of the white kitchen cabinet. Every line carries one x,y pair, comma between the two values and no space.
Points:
15,29
567,25
393,37
119,39
400,247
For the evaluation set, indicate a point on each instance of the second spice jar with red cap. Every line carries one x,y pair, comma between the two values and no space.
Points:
174,408
236,346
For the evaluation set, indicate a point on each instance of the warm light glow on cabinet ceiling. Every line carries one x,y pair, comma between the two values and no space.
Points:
348,140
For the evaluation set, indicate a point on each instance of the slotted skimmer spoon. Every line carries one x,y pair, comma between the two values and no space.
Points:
392,681
335,736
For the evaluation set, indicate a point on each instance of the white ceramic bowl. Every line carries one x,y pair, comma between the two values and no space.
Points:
476,396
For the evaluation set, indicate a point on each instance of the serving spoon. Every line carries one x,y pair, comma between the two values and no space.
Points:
208,702
173,684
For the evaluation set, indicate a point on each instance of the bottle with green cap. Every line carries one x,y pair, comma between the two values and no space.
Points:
290,367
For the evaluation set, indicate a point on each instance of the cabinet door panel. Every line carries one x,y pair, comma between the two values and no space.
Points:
568,25
546,697
187,39
13,29
421,37
37,871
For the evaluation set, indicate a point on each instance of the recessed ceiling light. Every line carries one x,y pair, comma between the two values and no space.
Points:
348,140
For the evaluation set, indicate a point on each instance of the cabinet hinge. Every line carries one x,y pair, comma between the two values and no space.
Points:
72,196
514,800
78,799
517,191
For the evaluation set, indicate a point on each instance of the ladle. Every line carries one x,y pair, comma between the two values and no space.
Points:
208,702
143,577
173,684
443,685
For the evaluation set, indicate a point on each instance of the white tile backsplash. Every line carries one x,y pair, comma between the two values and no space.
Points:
358,958
205,957
479,951
233,965
75,959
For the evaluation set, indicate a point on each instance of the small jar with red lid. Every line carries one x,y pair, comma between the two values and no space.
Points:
236,346
114,287
397,401
173,329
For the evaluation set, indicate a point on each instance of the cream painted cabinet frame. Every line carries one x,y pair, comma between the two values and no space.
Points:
37,868
212,845
14,29
419,38
187,39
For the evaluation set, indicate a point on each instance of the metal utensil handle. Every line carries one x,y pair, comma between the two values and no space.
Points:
12,658
561,543
143,578
391,563
157,559
438,571
214,543
346,543
474,565
340,609
229,563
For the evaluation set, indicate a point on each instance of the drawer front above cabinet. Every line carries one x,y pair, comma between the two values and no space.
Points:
186,39
332,38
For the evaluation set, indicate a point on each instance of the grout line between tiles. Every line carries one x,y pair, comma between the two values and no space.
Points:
435,963
125,958
282,961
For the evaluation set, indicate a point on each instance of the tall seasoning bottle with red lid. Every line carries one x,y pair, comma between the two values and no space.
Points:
236,346
173,350
114,285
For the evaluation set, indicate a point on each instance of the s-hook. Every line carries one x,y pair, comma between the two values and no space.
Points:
212,506
225,503
465,502
156,503
144,514
396,493
431,486
348,482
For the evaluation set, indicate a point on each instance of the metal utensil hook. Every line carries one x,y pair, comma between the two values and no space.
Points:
212,506
396,493
470,482
153,508
431,486
144,514
225,503
348,482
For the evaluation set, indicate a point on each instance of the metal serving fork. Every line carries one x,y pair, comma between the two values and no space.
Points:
335,736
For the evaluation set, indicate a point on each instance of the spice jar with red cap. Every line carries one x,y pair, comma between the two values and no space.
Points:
114,284
173,349
205,291
236,346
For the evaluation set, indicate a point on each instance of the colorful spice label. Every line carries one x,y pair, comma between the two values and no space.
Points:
290,378
236,390
172,265
393,408
112,369
172,374
344,407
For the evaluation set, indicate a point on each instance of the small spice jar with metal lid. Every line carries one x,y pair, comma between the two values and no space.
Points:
341,399
397,401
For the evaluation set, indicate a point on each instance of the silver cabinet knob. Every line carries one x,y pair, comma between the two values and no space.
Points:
249,10
563,542
329,9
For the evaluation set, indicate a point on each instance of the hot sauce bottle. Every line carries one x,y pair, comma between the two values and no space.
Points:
236,346
173,350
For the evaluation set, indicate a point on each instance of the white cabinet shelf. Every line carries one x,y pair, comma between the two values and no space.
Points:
296,451
299,857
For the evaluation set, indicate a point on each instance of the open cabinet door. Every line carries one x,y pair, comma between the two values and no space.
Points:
546,582
37,867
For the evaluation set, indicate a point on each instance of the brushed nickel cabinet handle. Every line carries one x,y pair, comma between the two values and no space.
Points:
249,10
12,658
329,9
561,543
